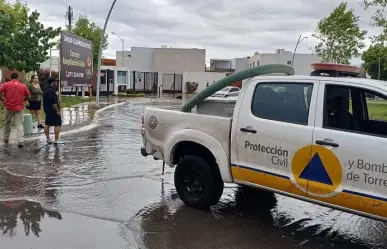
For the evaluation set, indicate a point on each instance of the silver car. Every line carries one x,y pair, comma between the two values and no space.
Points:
227,91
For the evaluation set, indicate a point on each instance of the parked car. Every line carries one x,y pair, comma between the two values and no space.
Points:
227,91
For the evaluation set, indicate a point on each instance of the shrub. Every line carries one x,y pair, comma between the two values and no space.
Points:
130,91
191,87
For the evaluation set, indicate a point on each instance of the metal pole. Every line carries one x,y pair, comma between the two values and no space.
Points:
50,61
379,70
295,48
123,52
100,53
123,48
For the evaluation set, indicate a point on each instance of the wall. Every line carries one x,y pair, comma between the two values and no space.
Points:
240,64
178,60
202,78
141,59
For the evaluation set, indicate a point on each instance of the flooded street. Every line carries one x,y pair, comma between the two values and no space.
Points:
96,191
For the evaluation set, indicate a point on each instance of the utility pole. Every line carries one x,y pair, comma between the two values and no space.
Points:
69,17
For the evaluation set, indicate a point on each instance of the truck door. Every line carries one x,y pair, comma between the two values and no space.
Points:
274,133
350,141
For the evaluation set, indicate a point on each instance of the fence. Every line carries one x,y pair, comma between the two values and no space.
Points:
172,83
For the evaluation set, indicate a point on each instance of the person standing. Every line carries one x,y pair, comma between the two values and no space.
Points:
14,93
35,102
51,107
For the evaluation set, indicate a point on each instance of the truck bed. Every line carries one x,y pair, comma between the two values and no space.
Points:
169,122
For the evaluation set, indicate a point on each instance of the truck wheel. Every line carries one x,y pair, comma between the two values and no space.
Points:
196,183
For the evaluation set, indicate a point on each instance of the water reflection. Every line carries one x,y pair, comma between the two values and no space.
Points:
29,213
244,218
52,178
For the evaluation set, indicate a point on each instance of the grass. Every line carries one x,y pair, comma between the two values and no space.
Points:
377,109
67,101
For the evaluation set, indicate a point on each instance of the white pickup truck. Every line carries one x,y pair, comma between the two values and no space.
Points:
319,139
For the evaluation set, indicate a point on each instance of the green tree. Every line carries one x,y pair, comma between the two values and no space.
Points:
88,30
379,19
339,35
371,57
24,40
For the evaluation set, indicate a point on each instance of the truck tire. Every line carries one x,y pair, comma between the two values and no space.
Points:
196,183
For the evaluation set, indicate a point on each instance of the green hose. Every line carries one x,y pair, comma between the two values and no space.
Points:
220,84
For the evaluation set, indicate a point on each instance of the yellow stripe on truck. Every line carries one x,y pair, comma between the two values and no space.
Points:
346,198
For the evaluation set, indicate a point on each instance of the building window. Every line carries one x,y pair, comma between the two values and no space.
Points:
250,65
253,63
258,63
121,77
121,73
289,63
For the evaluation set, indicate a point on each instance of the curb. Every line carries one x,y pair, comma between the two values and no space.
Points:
92,125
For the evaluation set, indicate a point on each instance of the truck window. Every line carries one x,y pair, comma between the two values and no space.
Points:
285,102
355,109
377,108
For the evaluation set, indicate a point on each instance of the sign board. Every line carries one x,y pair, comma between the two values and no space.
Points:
76,60
139,75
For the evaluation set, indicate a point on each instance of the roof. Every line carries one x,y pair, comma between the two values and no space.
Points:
353,80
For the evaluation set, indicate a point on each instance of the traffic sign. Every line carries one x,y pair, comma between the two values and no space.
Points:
139,75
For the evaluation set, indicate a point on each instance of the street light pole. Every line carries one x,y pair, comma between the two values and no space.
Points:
100,52
123,48
295,49
379,70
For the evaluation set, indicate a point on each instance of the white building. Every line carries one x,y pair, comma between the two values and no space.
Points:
301,64
229,65
156,67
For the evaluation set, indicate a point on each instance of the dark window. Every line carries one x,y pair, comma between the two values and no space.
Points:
289,62
286,102
234,90
355,109
253,63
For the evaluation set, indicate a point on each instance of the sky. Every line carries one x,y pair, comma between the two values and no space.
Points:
225,28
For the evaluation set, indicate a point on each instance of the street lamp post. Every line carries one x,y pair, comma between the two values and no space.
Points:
123,48
295,49
379,70
100,52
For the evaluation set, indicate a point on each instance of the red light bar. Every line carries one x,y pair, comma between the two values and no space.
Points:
337,70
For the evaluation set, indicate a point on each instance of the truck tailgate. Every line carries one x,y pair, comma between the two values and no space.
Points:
160,124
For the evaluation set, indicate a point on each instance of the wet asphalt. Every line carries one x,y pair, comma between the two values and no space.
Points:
96,191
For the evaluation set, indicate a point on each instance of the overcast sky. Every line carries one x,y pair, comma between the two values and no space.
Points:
225,28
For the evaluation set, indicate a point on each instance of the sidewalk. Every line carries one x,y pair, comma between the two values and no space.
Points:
75,118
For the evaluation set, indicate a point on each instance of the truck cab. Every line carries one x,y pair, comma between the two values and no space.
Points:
319,139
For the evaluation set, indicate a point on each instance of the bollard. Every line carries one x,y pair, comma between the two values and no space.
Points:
27,125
